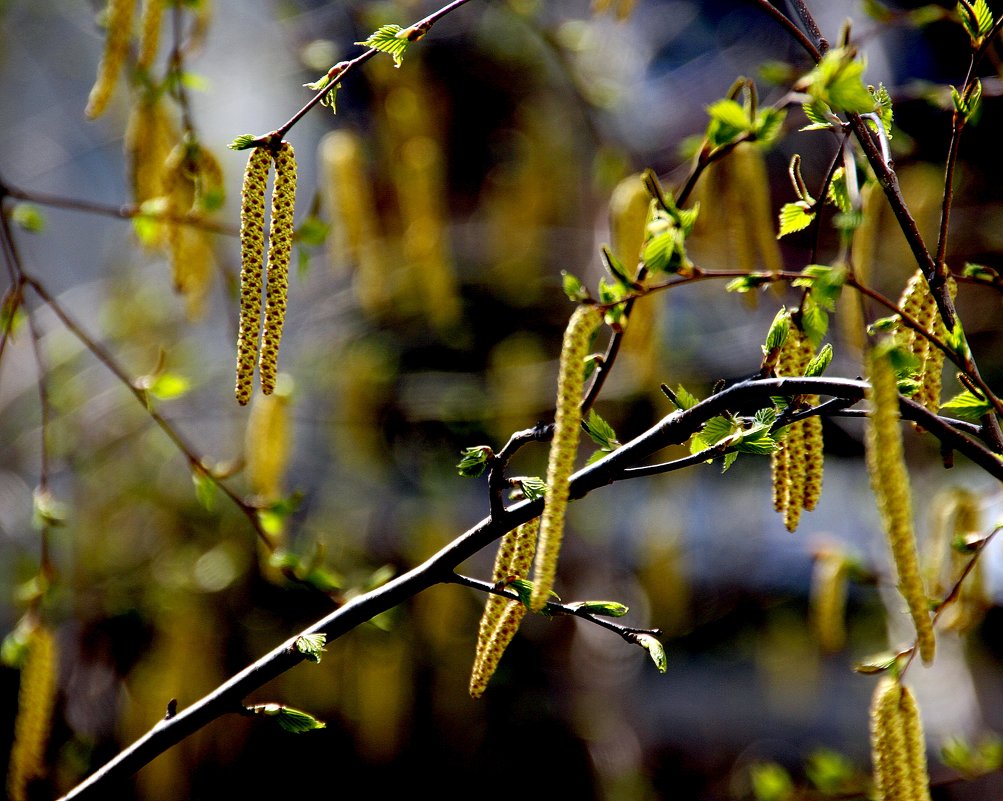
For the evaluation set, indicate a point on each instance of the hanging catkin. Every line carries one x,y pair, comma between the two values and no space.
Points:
118,31
898,748
252,247
280,246
890,483
35,702
563,447
502,616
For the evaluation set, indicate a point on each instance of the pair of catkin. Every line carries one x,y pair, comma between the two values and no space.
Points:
898,748
118,19
253,275
36,699
502,616
797,462
563,448
890,483
918,303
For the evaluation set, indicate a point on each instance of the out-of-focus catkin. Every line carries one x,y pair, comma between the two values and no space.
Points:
252,248
890,483
502,616
898,748
955,523
280,248
35,703
828,598
268,442
118,32
563,448
149,139
149,33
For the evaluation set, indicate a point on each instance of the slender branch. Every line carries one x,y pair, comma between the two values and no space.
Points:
124,212
554,608
340,71
673,429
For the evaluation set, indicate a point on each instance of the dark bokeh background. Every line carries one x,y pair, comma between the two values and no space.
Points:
488,160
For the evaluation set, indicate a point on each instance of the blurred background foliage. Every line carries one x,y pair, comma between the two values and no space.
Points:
436,211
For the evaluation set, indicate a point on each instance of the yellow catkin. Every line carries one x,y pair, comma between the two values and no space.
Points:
890,483
563,448
268,444
898,748
797,462
513,560
189,248
149,139
751,177
956,517
118,32
252,247
149,33
36,699
280,248
828,599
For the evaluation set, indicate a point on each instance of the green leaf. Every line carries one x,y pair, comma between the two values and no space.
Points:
968,406
769,122
977,19
814,319
311,645
838,194
973,760
795,217
884,108
532,487
601,432
312,232
728,121
684,399
615,267
205,489
291,720
818,114
664,252
830,771
779,329
818,365
980,272
969,104
747,283
244,142
885,325
879,663
655,650
28,216
770,782
713,431
389,39
837,81
475,461
164,385
573,287
602,608
956,340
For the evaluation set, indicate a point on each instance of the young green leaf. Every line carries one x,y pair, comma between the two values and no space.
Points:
474,461
968,406
820,363
795,217
243,142
602,608
655,650
601,432
311,646
292,720
389,39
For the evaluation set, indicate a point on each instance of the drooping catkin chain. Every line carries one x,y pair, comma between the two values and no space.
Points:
35,701
797,462
502,616
252,248
918,302
149,33
898,748
280,247
118,32
563,448
890,483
